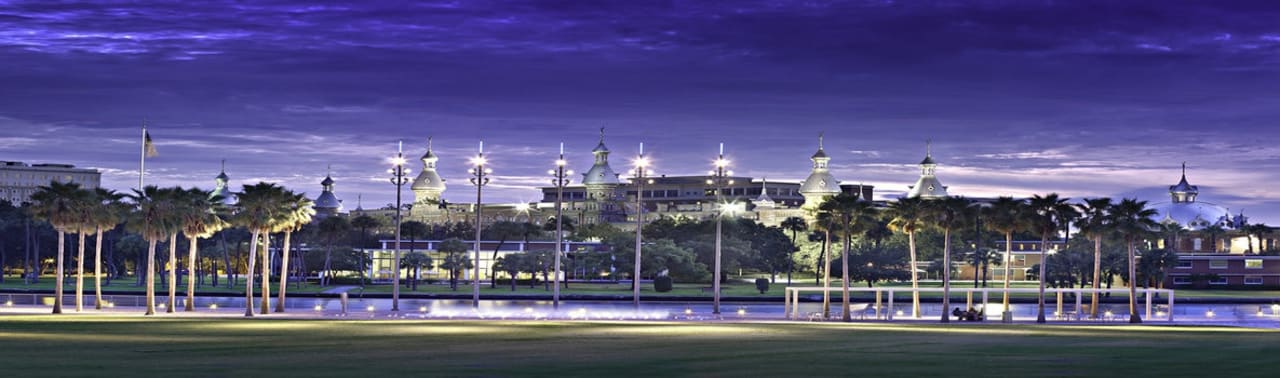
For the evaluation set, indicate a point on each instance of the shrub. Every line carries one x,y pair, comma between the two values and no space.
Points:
762,284
662,284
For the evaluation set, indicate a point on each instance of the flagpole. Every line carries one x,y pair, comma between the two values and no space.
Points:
142,158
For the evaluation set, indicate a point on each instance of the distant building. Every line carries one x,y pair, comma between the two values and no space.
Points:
928,186
19,180
327,203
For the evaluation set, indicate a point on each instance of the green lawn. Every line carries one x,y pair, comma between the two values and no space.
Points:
114,346
732,289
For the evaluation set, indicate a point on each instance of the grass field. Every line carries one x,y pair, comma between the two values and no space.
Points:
732,289
114,346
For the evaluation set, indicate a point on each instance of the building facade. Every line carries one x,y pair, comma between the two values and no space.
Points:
19,180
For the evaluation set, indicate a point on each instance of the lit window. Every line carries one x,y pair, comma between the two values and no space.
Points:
1217,264
1253,263
1252,280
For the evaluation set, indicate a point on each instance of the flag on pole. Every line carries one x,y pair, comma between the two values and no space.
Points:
150,147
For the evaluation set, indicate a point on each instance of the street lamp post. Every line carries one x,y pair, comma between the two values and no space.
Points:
399,177
480,180
717,181
641,163
560,180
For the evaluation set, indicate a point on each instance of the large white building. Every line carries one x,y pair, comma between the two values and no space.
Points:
19,180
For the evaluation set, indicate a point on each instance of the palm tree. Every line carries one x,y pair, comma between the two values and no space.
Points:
947,214
332,229
1258,230
818,236
907,216
826,224
1049,214
200,218
1095,224
1008,216
455,260
364,223
415,261
1171,232
63,205
1214,231
1132,219
154,218
854,215
297,211
795,225
105,215
258,208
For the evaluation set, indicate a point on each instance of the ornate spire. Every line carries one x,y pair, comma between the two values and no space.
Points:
600,173
927,186
428,186
1183,191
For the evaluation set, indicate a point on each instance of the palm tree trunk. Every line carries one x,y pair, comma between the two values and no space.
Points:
1044,247
57,273
1008,260
284,271
328,259
173,272
844,284
97,271
151,277
915,281
1133,288
946,274
821,261
248,284
266,274
80,274
191,267
1097,275
826,277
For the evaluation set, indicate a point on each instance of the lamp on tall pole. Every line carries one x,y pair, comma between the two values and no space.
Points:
561,178
719,178
479,171
399,177
641,163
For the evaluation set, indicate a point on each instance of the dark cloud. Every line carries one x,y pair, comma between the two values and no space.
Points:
1019,96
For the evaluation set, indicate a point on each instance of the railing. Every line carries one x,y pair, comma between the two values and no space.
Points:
791,304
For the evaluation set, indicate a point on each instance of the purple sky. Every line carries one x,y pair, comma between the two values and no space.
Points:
1082,98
